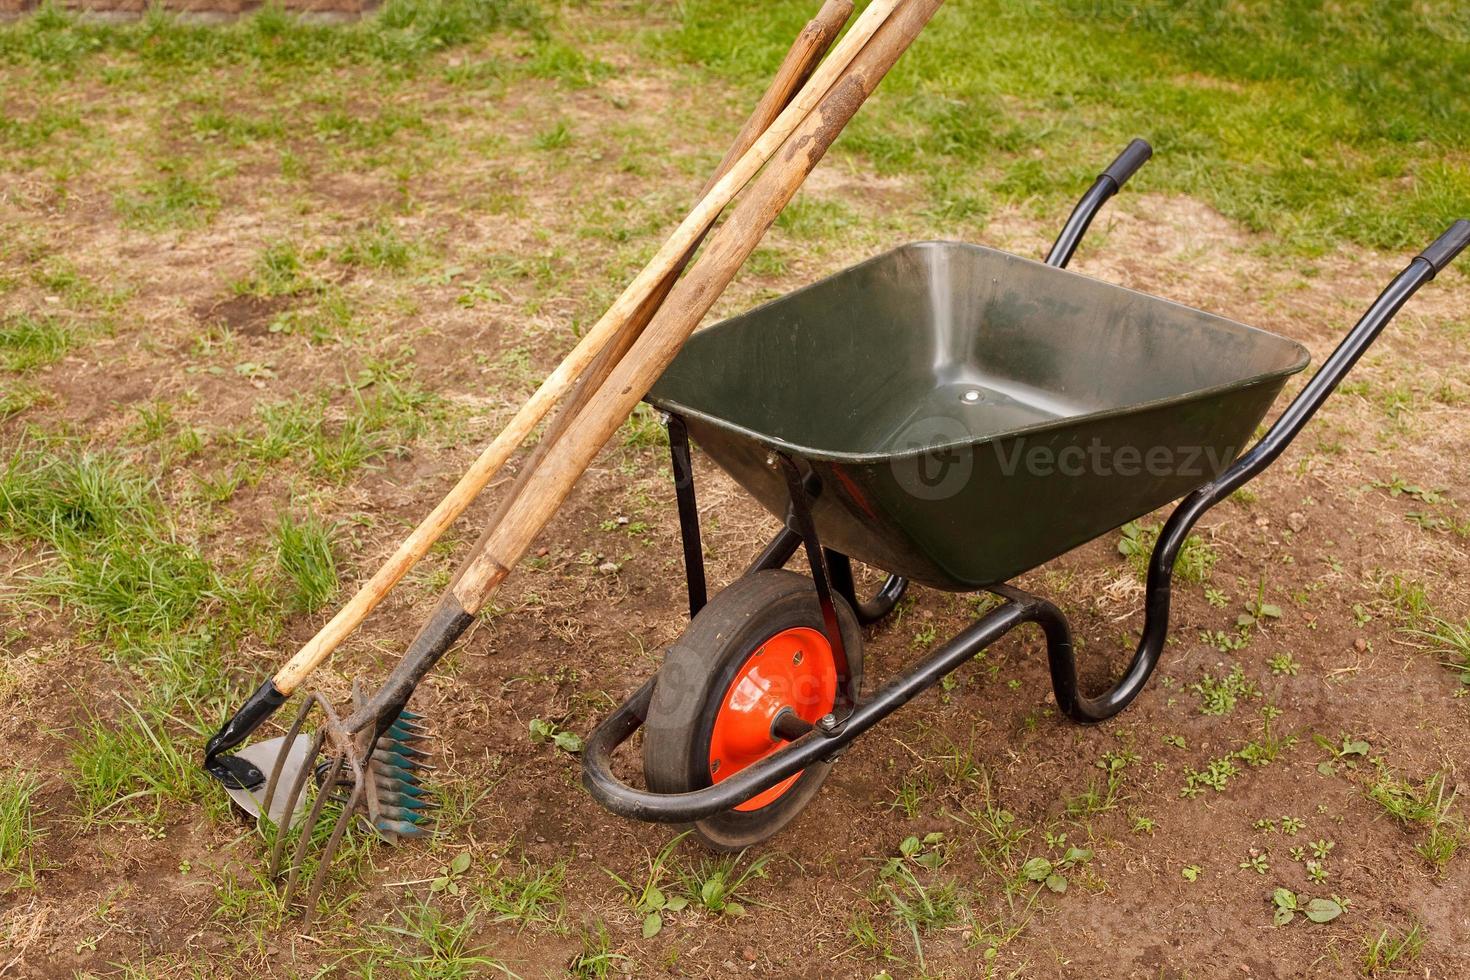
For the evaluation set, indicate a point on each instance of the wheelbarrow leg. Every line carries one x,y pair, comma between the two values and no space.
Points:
1176,530
688,514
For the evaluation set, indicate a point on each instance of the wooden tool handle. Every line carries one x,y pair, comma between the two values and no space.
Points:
800,62
690,299
797,68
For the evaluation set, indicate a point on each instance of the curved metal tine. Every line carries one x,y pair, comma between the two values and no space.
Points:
291,732
319,879
282,832
306,828
366,737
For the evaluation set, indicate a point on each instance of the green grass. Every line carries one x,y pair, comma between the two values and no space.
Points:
402,33
17,396
18,832
304,556
380,422
427,945
1391,950
113,557
378,246
1318,124
118,560
279,270
28,342
1451,641
524,896
132,771
173,199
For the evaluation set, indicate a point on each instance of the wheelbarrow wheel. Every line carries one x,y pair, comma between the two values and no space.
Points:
755,649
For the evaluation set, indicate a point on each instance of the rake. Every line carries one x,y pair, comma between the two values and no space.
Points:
371,764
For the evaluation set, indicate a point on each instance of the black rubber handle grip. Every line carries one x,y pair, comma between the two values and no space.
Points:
1134,155
1447,246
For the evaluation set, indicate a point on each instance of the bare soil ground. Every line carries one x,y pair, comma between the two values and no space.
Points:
521,206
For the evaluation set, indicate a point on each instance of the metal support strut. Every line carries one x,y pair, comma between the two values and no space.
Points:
683,466
816,556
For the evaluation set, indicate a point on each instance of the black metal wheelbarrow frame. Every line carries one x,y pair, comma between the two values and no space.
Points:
810,744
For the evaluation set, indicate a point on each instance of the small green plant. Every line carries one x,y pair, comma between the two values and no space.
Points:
378,247
1196,558
1258,610
1346,751
1451,641
919,903
1398,487
1219,696
1256,861
1191,872
1427,804
549,731
644,429
1441,845
1283,664
911,793
554,138
1053,874
648,900
425,944
279,271
714,886
450,874
173,199
1216,776
1266,747
128,771
1411,802
1226,641
596,960
1320,910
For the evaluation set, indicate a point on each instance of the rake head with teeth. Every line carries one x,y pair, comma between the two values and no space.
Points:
371,775
370,766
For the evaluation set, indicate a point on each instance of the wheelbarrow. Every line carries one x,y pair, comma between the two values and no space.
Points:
952,415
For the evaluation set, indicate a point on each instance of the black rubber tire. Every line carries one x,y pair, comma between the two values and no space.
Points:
696,674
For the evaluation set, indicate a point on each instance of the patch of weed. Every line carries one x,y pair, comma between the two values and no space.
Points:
28,342
304,556
18,832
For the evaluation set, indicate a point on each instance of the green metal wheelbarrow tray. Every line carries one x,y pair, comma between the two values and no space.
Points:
955,416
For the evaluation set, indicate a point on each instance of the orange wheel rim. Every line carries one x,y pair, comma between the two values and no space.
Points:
792,669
